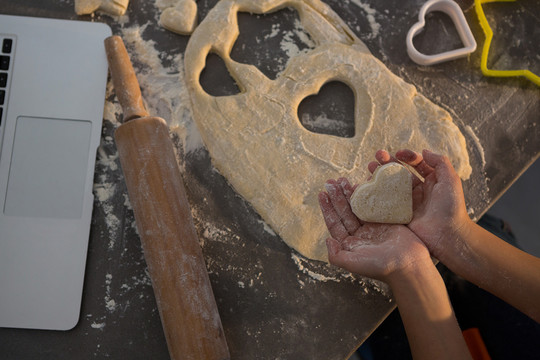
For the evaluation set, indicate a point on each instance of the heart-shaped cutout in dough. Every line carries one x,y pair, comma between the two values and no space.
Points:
330,111
386,198
453,10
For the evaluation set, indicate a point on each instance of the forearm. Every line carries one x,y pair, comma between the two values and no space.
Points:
427,314
498,267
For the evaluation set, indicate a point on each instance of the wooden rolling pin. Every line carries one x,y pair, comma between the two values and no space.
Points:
171,248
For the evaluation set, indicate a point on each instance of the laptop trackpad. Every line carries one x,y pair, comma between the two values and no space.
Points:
48,168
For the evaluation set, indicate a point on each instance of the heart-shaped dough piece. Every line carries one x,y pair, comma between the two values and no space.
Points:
386,198
181,18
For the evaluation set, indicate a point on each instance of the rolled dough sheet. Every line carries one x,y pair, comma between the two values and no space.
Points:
257,142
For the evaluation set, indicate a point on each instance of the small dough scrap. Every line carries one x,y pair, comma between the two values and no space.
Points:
181,18
112,7
386,198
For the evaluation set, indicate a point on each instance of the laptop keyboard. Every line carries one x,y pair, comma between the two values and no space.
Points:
6,56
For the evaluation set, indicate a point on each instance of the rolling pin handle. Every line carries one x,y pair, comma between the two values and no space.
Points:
124,79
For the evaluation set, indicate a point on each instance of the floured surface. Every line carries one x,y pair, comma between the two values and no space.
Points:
271,299
260,274
255,137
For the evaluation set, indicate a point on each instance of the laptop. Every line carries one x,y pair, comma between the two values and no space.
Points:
53,76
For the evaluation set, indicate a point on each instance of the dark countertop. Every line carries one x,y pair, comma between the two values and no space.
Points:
274,304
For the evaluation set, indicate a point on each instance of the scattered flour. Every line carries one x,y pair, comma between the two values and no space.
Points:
213,233
105,160
322,121
112,110
274,33
104,191
97,325
315,273
110,304
163,88
291,40
299,261
293,43
370,15
127,203
104,185
477,143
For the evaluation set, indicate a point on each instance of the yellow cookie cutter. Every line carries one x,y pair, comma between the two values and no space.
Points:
489,35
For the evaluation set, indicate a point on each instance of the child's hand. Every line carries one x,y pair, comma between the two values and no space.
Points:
378,251
440,214
394,254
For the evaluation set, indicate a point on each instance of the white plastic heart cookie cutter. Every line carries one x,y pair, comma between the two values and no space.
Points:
454,11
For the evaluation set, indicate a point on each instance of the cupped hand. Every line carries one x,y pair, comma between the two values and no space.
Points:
439,210
378,251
